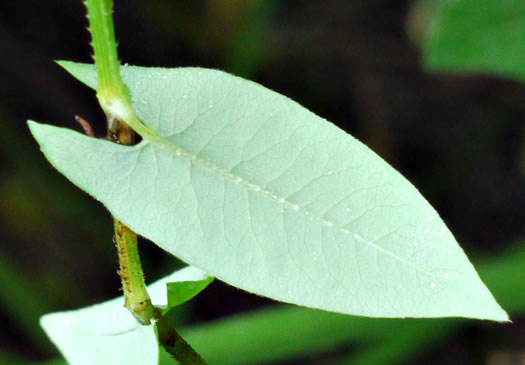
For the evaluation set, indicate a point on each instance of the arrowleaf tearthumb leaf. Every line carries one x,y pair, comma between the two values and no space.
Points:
259,192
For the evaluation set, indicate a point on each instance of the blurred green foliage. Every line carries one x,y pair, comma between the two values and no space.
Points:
483,36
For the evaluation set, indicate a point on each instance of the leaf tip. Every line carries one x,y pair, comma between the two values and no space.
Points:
501,316
48,322
36,129
62,63
84,72
494,312
69,66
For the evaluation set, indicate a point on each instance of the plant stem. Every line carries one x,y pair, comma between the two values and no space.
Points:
111,89
176,346
112,94
115,100
137,300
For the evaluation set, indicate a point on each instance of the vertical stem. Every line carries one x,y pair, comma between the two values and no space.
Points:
112,94
111,89
137,300
115,100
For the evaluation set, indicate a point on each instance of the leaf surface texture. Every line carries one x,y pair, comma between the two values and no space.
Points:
259,192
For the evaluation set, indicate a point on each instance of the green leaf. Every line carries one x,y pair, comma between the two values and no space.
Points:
484,36
107,333
264,195
181,292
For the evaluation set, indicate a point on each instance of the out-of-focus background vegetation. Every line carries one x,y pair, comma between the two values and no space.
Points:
459,137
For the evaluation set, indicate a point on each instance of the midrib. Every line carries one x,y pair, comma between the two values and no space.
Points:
154,139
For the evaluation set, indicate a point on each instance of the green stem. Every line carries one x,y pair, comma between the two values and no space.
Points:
137,300
115,100
112,94
105,47
176,346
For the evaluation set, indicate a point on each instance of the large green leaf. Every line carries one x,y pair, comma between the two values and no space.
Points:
262,194
485,36
107,333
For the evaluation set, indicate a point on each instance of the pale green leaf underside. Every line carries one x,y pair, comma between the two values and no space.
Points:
262,194
106,333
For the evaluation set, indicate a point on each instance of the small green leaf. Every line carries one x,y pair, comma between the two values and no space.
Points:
484,36
107,333
268,197
181,292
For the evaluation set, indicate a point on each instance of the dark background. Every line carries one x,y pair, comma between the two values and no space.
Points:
459,139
